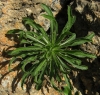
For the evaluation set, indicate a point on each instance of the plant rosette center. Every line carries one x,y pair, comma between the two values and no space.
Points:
51,50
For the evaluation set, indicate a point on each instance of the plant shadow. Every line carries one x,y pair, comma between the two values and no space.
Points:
17,77
87,81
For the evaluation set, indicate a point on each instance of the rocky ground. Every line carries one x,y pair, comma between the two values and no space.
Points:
88,20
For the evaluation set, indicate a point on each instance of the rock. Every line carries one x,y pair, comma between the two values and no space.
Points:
11,14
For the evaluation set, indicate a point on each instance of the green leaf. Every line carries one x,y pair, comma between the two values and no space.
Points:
39,79
21,35
24,41
62,37
54,22
71,20
14,31
64,65
37,27
42,72
80,54
71,38
54,26
67,81
79,41
47,9
49,17
23,78
30,22
38,86
70,59
54,86
21,49
34,39
27,60
82,40
66,91
39,67
23,54
75,63
38,45
11,61
52,68
90,36
58,77
40,37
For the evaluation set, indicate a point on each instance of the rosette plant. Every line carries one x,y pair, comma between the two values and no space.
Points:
50,53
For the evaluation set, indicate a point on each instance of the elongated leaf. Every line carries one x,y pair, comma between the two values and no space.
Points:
24,77
30,22
71,38
63,64
41,76
47,9
54,26
38,87
73,62
58,77
62,37
63,70
82,40
90,36
40,37
14,31
23,54
27,60
38,45
54,86
45,35
21,49
80,54
21,35
24,41
11,61
39,67
49,17
52,69
70,59
37,27
67,81
52,23
57,64
67,91
34,39
79,41
71,20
